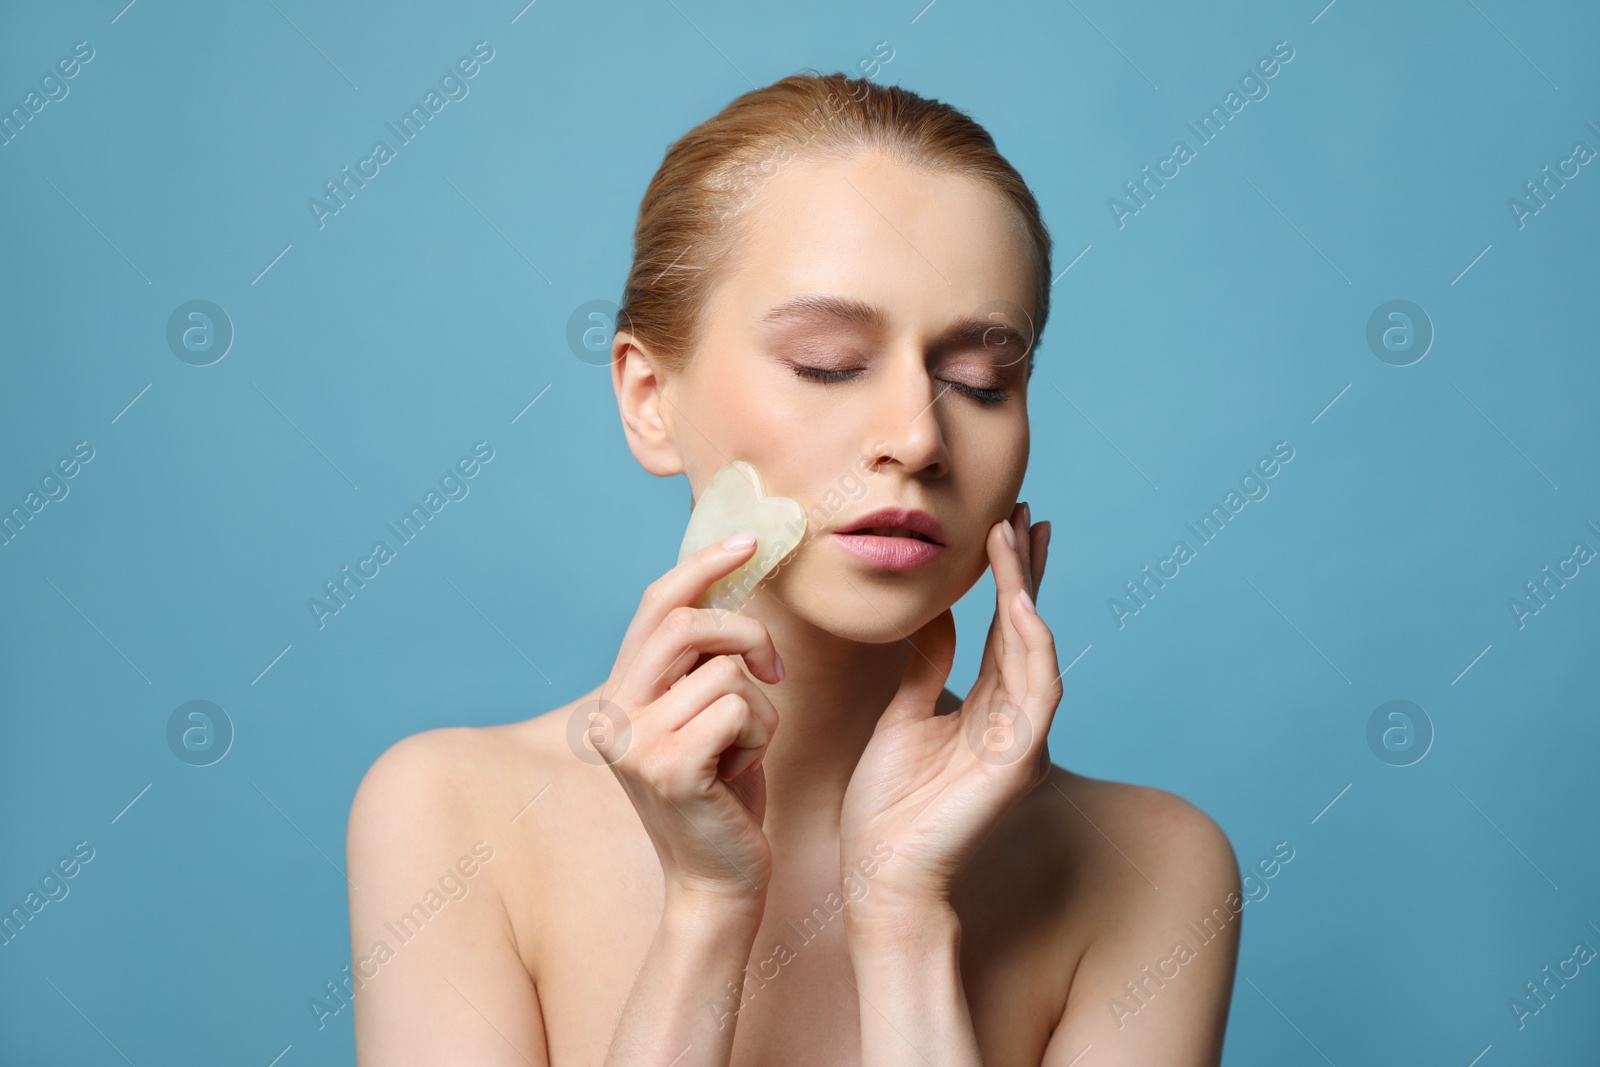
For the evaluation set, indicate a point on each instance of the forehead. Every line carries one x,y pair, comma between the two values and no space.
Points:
923,245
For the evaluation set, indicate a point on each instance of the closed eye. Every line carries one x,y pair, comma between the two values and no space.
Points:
822,374
825,375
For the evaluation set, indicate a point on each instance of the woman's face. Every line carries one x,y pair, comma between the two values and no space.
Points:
895,283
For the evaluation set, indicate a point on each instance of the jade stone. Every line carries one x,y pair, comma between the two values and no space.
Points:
735,501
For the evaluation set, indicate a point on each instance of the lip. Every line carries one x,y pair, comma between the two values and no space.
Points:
914,519
893,552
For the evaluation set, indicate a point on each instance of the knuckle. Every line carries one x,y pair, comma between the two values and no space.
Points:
669,780
653,767
727,702
762,704
640,764
724,670
681,621
763,635
768,716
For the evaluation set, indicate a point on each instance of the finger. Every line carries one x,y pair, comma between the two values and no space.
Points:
729,725
736,761
933,651
1041,669
683,638
1011,655
707,683
1024,532
681,586
1041,552
993,643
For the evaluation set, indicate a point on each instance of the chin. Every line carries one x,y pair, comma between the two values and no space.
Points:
869,608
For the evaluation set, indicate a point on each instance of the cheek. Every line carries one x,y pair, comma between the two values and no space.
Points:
747,406
810,459
991,467
823,480
992,461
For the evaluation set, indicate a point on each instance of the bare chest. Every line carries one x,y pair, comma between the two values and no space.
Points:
588,920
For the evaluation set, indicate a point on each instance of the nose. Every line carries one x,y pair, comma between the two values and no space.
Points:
908,430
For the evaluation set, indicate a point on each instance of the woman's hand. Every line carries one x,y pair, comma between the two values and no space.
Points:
689,730
932,786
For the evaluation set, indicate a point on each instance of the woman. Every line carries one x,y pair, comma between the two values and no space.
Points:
778,839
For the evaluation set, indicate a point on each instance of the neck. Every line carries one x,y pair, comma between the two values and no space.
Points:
833,692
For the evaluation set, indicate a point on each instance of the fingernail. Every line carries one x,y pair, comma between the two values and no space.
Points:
1027,602
1011,533
739,542
1027,515
778,659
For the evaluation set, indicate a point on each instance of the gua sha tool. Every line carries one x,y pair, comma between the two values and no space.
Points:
733,502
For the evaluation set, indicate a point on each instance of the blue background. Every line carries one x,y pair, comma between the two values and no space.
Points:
1228,314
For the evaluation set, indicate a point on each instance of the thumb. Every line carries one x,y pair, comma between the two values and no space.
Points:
933,652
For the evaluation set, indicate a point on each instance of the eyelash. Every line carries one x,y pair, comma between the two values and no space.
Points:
986,397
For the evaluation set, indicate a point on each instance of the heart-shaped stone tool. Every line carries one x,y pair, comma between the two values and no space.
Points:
733,502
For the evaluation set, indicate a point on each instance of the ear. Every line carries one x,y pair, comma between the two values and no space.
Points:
646,415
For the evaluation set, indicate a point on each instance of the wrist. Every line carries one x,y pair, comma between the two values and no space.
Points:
880,879
900,925
712,913
907,966
885,897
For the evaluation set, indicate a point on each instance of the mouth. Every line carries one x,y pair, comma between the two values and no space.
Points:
891,531
893,538
912,524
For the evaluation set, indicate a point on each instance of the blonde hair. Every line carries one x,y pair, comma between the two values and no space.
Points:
690,217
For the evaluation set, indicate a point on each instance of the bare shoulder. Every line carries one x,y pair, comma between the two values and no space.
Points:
432,845
1101,855
1154,883
431,796
451,775
423,773
461,775
420,816
1139,822
420,794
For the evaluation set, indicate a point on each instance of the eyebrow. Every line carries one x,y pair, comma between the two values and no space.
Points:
825,308
820,306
